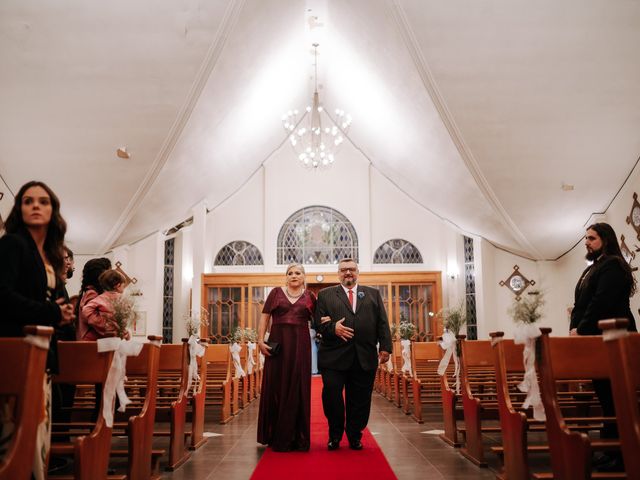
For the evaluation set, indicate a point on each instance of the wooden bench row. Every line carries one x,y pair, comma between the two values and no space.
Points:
491,403
157,389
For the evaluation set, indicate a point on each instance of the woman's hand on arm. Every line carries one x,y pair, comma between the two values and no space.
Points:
67,315
262,328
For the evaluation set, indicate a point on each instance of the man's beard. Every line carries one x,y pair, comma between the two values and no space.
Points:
593,255
348,282
69,273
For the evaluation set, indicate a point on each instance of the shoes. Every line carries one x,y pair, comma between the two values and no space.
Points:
57,464
615,465
355,445
333,444
600,459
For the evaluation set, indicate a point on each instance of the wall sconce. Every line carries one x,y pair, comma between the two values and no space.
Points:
452,271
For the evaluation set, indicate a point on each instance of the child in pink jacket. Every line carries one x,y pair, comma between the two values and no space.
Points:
99,310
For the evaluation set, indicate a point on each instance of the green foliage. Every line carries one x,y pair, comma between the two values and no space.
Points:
194,322
250,335
124,313
454,318
528,308
244,334
405,331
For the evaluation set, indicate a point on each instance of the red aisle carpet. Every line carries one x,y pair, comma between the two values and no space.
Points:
319,463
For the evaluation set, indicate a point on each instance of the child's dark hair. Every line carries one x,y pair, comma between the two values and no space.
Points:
110,279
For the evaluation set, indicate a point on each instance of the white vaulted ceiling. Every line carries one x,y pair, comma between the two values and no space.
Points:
480,111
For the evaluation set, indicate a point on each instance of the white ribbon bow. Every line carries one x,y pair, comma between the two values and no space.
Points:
526,334
448,344
406,356
195,350
251,361
235,355
117,373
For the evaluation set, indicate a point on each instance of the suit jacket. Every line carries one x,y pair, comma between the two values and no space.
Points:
24,299
369,322
602,292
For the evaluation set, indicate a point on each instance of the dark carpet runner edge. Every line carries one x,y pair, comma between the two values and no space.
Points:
319,463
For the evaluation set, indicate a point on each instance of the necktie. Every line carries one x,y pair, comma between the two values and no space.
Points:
351,298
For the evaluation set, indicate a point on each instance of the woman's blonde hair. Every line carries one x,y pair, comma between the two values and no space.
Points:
295,264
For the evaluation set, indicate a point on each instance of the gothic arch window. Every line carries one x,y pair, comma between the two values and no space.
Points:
238,252
317,235
397,250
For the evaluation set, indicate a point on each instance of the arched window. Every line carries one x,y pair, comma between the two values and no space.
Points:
317,235
239,252
397,250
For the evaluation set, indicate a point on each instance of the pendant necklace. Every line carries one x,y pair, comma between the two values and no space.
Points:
293,296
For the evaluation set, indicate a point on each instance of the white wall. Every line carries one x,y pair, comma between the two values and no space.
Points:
379,212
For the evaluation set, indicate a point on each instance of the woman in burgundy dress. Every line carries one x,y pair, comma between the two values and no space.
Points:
285,401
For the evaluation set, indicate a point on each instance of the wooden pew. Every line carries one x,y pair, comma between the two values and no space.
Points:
514,422
141,386
197,401
172,400
21,385
425,384
623,349
563,358
451,408
478,394
395,376
219,382
80,363
243,382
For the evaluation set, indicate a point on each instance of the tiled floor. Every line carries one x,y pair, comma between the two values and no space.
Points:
411,453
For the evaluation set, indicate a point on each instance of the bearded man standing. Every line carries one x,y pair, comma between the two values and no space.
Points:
603,292
352,321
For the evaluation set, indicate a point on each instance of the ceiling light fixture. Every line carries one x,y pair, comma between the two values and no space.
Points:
314,145
122,153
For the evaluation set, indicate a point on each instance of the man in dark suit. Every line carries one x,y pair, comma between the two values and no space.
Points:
352,320
604,288
603,292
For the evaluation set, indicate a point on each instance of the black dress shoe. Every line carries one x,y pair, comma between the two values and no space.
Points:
356,445
614,465
600,458
333,444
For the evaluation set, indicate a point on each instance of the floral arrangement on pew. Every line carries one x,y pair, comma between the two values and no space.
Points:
406,331
251,336
194,323
236,338
526,313
124,315
453,319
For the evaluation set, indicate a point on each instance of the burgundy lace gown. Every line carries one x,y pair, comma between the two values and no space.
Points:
285,401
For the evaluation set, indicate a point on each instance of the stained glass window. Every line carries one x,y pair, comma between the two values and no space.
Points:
239,252
397,250
317,235
470,289
167,297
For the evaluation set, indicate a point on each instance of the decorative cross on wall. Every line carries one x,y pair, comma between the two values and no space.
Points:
128,279
516,282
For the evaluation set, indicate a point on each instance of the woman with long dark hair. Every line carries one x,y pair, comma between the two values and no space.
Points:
32,274
32,262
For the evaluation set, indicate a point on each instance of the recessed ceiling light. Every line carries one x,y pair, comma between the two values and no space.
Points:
567,187
122,153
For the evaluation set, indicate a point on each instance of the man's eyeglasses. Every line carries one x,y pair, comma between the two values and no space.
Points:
347,269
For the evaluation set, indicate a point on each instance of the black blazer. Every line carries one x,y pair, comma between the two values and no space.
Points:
24,299
369,322
602,292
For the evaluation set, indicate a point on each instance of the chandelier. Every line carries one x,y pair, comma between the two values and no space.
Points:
314,144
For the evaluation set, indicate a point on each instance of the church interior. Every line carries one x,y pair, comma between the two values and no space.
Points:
459,153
